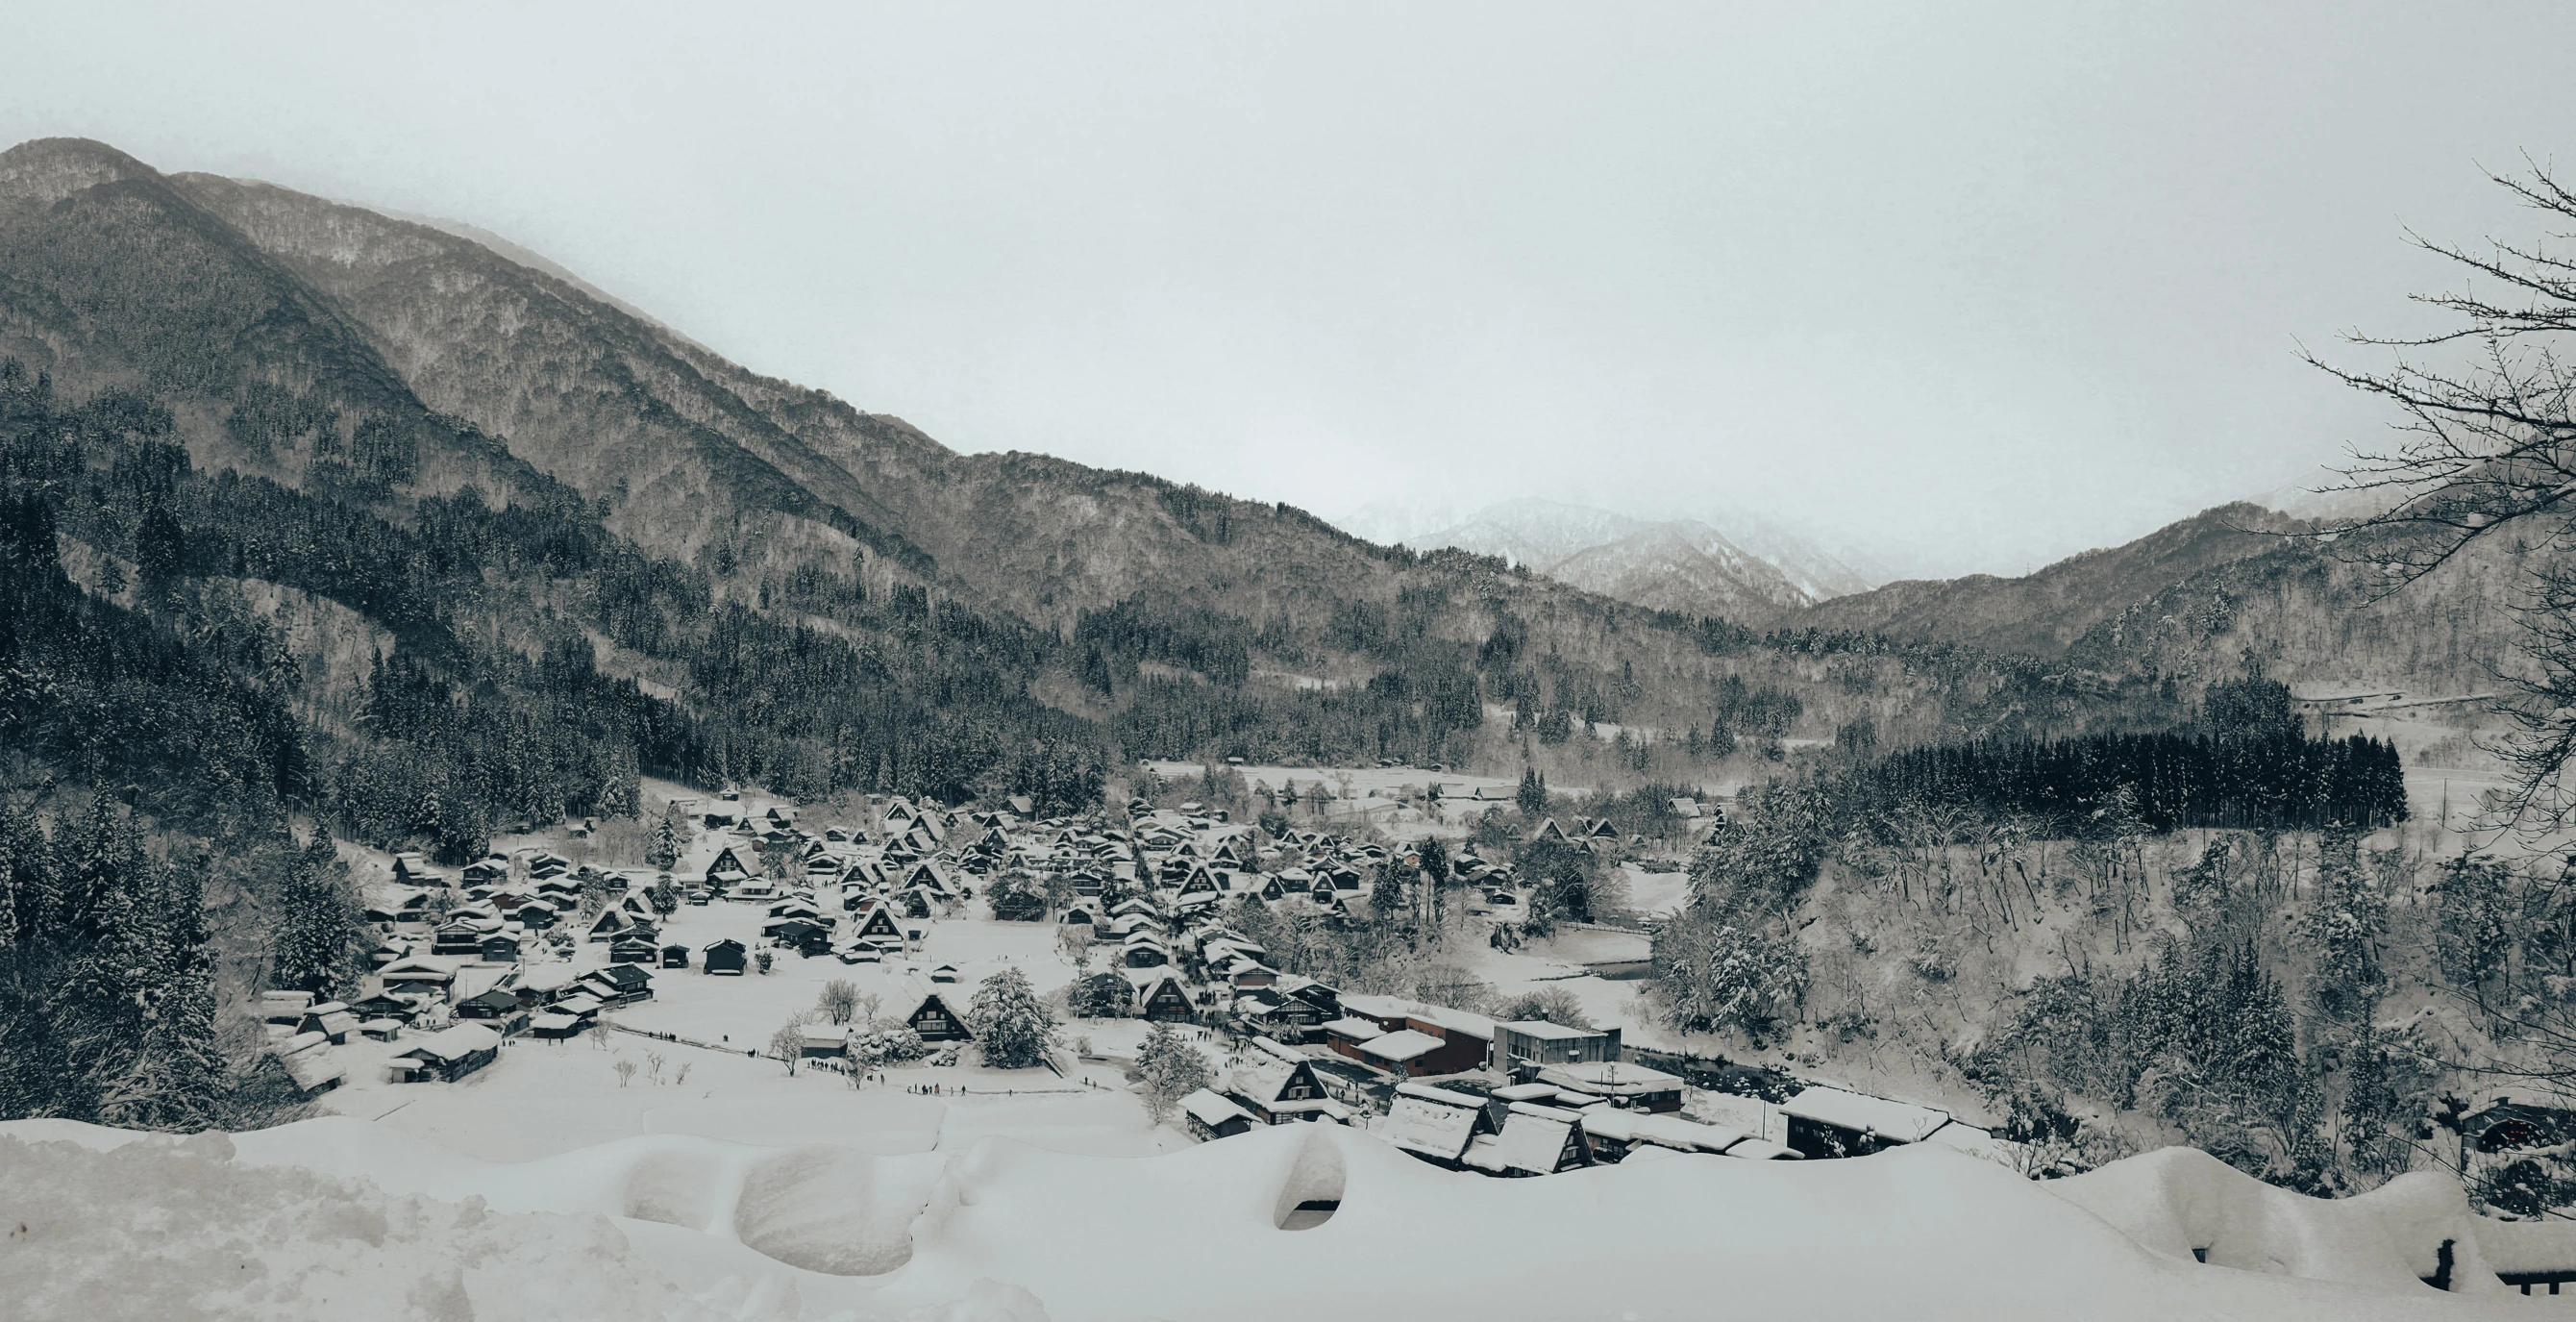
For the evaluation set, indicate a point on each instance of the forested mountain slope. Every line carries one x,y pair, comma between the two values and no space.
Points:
677,565
2039,614
2194,599
1188,622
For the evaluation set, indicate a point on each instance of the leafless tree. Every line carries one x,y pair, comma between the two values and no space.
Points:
2487,450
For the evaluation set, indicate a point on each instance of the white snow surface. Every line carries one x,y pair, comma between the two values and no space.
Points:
343,1218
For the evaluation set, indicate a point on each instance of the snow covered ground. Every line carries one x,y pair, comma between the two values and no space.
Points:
342,1218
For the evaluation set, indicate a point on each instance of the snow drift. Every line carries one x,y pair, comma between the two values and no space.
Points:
343,1218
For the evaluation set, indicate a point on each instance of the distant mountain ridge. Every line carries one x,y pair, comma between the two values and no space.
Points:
2041,614
1686,565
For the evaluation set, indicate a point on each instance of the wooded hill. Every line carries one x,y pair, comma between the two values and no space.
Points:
591,547
2192,600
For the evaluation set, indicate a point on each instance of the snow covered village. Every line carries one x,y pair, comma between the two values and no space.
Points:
1040,663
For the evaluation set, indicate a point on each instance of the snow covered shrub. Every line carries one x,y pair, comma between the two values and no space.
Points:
882,1043
1555,1005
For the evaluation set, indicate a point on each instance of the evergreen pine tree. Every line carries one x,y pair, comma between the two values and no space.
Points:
318,941
1012,1026
1531,798
1386,896
664,851
1172,1070
174,1077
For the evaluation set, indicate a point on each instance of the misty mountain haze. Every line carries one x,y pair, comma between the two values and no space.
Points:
1731,565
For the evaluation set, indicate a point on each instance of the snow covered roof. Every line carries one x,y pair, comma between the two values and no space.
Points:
1456,1021
310,1069
1755,1149
1433,1128
1900,1121
1382,1007
548,977
1960,1136
1669,1131
1525,1092
450,1043
1609,1078
1532,1141
1399,1047
1443,1096
1211,1110
1545,1031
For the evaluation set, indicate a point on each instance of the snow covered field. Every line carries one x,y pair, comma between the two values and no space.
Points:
342,1218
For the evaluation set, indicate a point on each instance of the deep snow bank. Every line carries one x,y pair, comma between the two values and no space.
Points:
659,1226
2182,1201
161,1229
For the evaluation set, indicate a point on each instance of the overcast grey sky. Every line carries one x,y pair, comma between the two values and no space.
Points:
1957,287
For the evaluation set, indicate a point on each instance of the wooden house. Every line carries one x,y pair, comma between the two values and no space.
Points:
494,1004
726,867
805,938
1534,1140
449,1054
1159,995
633,950
1829,1122
1627,1086
936,1021
722,957
944,973
384,1007
1212,1117
312,1070
611,924
675,957
1348,1034
1020,905
1615,1135
1278,1086
420,975
1286,1018
1405,1051
1144,950
284,1006
500,949
1325,999
1467,1040
876,921
332,1019
1435,1124
621,984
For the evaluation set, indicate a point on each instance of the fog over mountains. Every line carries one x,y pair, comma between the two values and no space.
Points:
1727,564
